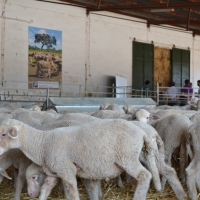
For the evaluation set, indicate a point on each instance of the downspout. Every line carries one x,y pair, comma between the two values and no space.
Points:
3,41
87,49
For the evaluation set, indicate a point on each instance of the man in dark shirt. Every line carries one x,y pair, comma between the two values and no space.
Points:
187,92
146,88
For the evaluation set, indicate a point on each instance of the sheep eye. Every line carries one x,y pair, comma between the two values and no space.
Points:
33,177
147,117
4,134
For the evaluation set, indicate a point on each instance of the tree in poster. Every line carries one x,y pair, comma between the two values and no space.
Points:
45,39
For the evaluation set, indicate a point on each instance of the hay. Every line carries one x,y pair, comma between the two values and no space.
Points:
110,192
162,66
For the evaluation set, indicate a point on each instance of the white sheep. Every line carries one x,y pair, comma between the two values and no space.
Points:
72,152
110,114
143,115
35,118
193,170
166,171
15,158
116,108
35,108
128,109
172,129
103,106
35,178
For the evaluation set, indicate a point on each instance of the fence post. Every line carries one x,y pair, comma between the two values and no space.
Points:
97,91
47,98
158,93
79,90
113,90
60,87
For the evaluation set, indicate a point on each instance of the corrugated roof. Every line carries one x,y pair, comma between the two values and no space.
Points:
179,13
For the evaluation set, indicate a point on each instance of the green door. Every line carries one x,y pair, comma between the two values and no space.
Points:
180,66
143,64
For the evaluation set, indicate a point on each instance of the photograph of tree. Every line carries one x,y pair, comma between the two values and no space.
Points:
44,56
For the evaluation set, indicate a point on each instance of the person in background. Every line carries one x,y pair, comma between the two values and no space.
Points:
193,96
198,93
172,95
187,92
146,88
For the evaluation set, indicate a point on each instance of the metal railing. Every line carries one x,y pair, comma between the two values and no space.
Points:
10,91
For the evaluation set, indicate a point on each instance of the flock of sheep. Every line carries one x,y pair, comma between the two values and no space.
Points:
46,148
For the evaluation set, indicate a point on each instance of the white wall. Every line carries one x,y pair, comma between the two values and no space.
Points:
94,48
70,20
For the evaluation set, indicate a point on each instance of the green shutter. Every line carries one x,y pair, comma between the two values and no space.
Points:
143,64
180,66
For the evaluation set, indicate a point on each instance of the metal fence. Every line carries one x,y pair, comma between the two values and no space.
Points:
11,92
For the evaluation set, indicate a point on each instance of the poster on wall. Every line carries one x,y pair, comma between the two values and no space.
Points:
44,57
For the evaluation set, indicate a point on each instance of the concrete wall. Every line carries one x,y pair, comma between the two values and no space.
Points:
95,47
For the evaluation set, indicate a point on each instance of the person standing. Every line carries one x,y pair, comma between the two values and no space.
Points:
146,88
198,93
187,92
172,95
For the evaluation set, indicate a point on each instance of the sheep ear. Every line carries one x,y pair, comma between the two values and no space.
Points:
154,117
13,133
3,173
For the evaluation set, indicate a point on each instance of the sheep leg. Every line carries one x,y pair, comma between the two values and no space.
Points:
100,191
197,177
170,174
119,182
129,179
49,184
70,187
183,160
14,173
191,182
93,188
19,184
142,175
164,179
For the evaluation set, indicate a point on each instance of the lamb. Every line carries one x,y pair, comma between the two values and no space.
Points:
34,108
172,129
5,110
143,115
11,106
110,114
111,140
35,177
103,106
195,118
15,158
115,108
128,109
192,171
35,118
4,116
17,111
